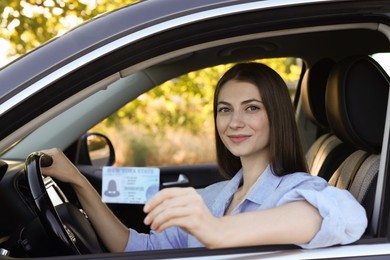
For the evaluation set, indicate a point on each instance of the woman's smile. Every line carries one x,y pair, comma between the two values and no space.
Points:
242,120
238,138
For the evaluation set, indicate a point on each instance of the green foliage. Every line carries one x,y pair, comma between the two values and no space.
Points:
187,101
183,102
26,24
172,124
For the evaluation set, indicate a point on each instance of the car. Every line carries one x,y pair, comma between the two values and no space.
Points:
55,95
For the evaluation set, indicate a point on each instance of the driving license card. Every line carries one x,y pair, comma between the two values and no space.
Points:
131,185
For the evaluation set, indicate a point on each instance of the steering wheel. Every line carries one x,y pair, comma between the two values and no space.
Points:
65,223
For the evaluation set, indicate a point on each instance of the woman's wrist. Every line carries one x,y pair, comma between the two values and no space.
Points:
219,235
80,183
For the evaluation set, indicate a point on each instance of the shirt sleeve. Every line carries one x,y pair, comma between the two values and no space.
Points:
170,238
344,219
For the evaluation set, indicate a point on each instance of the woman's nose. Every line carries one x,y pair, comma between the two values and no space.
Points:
236,120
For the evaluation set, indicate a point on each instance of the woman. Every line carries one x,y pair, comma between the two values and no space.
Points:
269,198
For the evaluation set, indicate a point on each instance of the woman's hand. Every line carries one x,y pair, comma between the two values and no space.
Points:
110,230
184,208
61,169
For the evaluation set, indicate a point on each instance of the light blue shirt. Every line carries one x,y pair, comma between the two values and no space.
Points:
344,219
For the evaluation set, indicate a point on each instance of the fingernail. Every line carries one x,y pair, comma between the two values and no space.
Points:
146,207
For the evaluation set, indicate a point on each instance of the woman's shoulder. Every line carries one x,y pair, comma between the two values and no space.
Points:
303,179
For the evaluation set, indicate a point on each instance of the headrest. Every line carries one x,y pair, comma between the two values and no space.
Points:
313,92
356,102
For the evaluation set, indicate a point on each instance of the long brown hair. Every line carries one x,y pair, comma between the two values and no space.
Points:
285,145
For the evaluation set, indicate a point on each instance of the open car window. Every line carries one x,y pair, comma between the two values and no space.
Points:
172,124
144,77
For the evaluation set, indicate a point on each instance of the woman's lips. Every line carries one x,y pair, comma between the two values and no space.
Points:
238,138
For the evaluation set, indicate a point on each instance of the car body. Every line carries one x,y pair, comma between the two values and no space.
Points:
53,95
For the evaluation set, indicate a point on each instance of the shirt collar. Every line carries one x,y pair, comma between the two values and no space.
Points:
265,185
261,189
224,197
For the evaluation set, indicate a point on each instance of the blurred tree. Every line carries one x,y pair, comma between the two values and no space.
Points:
173,123
183,102
26,24
186,102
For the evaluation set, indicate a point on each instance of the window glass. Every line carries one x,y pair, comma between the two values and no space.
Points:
384,60
172,124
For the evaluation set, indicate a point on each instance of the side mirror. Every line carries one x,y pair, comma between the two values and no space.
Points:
95,149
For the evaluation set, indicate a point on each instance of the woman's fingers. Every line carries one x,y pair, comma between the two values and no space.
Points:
184,208
164,195
179,216
181,207
61,168
168,209
164,200
55,155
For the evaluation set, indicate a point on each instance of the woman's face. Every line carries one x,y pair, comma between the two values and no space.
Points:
242,120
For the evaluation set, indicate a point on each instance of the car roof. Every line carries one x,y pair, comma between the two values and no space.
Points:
96,33
108,27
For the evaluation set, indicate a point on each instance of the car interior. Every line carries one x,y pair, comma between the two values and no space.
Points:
341,105
359,126
327,152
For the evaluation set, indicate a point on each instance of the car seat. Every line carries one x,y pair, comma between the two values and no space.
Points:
327,152
356,105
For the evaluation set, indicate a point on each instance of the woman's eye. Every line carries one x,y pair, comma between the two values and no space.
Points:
253,108
223,110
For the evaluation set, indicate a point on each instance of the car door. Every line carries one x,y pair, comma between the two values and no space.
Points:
169,127
140,54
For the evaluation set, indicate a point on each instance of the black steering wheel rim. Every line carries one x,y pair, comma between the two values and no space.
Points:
83,240
45,209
